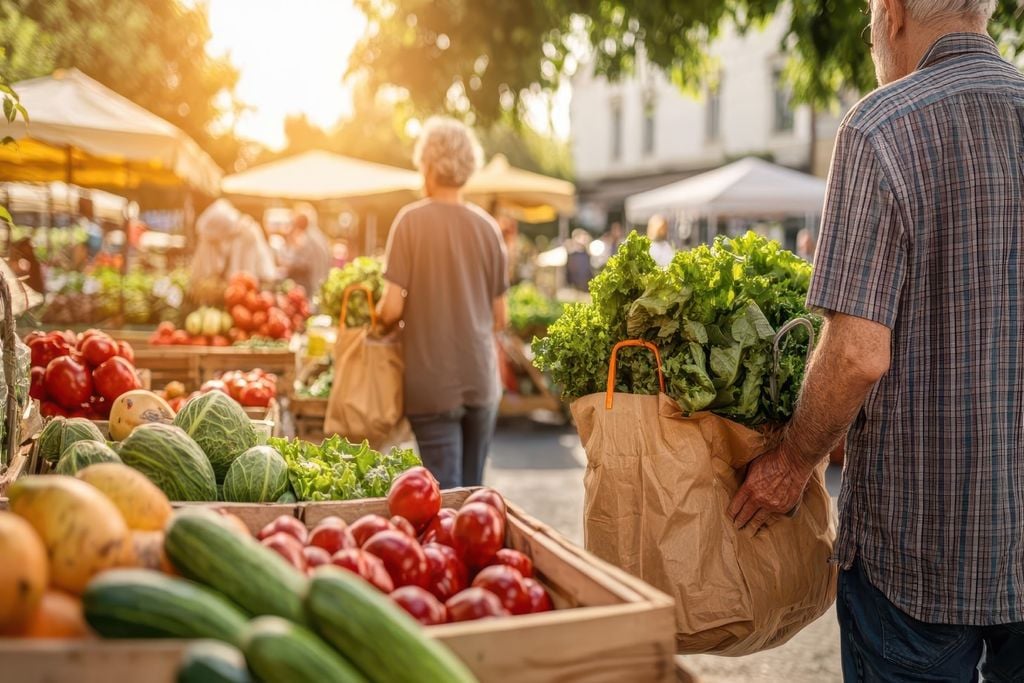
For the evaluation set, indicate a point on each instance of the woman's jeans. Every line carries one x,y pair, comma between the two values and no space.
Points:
881,643
453,445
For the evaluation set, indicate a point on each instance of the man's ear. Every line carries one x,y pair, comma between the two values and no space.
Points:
896,12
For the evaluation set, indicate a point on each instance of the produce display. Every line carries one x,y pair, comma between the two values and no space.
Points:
96,295
320,386
713,315
530,311
249,315
360,271
80,375
339,470
255,388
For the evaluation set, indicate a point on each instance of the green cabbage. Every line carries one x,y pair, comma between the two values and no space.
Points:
260,475
61,432
81,454
220,426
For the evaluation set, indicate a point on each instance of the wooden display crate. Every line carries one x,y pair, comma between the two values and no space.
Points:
609,626
193,365
308,414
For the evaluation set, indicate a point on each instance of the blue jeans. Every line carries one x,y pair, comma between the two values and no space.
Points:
881,643
453,445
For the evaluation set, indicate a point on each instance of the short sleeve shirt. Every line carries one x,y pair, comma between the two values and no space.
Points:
451,261
922,231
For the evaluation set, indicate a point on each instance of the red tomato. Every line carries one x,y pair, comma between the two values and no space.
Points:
507,583
439,531
366,566
256,395
286,524
403,525
201,340
368,525
448,575
92,332
115,377
315,557
180,338
288,547
474,603
234,295
416,496
177,404
540,601
165,328
67,382
266,301
259,319
125,350
489,496
33,335
45,349
246,281
402,557
421,605
37,387
236,387
50,409
332,536
252,301
514,559
479,533
213,385
242,317
220,340
98,349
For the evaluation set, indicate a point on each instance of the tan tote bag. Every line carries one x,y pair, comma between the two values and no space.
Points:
366,397
658,485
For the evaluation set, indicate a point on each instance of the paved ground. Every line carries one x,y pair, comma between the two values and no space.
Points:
541,468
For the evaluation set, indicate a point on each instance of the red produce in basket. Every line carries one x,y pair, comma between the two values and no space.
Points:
403,525
421,605
315,557
368,525
125,350
256,395
68,382
439,530
288,525
332,535
365,565
98,349
37,387
51,409
479,533
474,603
416,496
288,547
45,349
448,575
114,378
507,583
402,557
515,559
491,497
540,600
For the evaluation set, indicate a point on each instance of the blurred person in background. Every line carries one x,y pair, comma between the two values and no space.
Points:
447,273
661,250
805,245
228,242
578,269
307,258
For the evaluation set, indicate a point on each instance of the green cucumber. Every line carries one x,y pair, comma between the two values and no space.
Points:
211,662
141,603
206,548
279,651
382,640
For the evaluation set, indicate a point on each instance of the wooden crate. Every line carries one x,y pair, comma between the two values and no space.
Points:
193,365
308,415
18,466
609,626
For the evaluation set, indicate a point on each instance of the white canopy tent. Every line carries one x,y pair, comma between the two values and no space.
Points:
82,132
319,175
749,188
58,197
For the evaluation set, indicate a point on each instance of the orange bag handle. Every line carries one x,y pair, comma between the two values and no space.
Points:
365,289
613,366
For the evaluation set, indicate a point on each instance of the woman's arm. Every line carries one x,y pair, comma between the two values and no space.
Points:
391,306
500,308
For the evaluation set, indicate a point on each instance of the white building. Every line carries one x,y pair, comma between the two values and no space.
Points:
643,132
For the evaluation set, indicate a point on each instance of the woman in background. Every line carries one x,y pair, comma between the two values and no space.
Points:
446,274
661,251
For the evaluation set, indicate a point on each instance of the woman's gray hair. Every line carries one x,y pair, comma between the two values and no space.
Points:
940,10
449,149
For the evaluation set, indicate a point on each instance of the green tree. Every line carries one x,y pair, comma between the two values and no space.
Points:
152,52
482,55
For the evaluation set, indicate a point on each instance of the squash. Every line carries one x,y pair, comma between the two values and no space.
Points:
279,651
82,531
59,615
24,571
143,506
135,408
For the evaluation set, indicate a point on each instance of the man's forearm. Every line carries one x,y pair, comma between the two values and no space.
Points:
833,392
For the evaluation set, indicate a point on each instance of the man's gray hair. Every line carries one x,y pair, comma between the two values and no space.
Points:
449,149
941,10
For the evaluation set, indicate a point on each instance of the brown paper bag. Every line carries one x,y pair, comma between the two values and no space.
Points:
658,486
366,397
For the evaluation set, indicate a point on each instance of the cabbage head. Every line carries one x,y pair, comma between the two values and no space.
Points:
61,432
220,426
81,454
260,475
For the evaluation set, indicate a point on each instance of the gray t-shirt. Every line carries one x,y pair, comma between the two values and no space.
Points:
451,260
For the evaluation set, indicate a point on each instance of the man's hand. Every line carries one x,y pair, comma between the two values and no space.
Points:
774,485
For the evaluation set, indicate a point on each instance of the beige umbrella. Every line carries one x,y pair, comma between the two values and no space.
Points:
527,191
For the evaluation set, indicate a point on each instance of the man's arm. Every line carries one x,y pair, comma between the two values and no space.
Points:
500,308
391,306
853,354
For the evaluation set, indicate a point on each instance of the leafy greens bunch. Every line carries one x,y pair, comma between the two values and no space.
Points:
530,310
362,270
713,315
339,470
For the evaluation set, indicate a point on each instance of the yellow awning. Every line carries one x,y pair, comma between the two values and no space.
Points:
532,193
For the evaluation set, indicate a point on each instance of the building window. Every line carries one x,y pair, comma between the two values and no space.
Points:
783,103
713,112
616,130
649,130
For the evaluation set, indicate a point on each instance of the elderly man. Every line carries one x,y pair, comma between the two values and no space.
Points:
919,274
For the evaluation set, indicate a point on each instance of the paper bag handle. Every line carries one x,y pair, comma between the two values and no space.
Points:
365,289
613,366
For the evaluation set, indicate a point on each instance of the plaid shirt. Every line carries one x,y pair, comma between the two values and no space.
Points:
923,231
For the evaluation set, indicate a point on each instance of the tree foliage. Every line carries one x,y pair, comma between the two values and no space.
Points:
482,55
152,52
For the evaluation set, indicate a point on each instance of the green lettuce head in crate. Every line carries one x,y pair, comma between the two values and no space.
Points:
713,314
